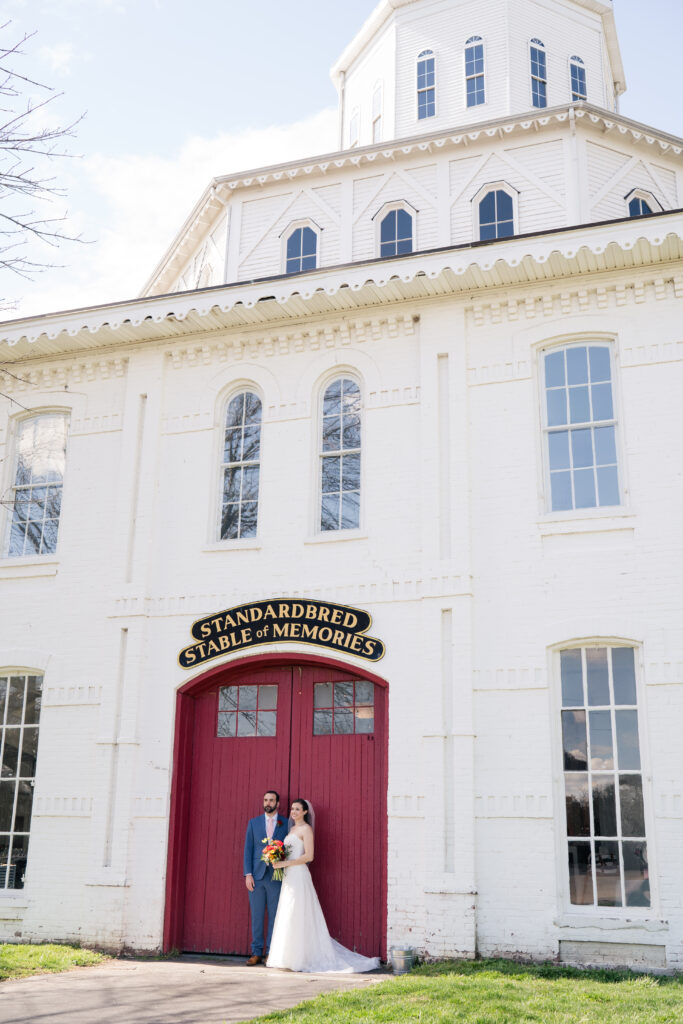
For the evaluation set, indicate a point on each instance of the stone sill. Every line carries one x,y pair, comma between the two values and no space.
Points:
579,922
242,544
28,568
593,523
336,536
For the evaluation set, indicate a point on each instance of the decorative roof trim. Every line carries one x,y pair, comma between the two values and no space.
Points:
515,252
218,192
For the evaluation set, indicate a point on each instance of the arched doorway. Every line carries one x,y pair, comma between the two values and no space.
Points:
306,726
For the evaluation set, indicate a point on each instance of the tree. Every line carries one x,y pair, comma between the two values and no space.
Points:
28,146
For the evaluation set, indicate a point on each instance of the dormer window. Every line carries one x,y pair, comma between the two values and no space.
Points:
578,78
301,250
474,71
396,230
640,202
426,85
494,210
539,74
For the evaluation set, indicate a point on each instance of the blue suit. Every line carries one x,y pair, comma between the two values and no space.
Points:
266,890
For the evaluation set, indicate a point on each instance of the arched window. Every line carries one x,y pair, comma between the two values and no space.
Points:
539,74
40,457
580,427
377,113
241,458
496,215
474,71
578,77
396,233
20,699
302,250
603,777
340,456
426,85
638,207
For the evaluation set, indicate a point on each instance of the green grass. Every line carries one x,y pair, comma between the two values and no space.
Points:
500,992
19,961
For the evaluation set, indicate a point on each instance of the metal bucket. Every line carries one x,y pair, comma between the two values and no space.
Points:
402,959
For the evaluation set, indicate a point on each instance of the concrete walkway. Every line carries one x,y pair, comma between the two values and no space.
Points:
185,991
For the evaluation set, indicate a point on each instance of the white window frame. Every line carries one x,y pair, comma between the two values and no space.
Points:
572,912
583,341
10,486
494,186
399,204
5,891
645,196
295,225
475,41
577,62
236,389
537,45
338,373
377,118
426,53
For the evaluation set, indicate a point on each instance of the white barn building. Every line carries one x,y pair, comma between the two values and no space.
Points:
414,378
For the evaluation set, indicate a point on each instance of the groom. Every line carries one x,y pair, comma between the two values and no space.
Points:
263,890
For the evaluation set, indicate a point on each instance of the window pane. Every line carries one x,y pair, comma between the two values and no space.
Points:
322,723
227,724
627,739
561,491
250,479
580,874
605,446
607,874
10,754
365,693
343,695
343,723
22,817
636,874
487,208
602,402
558,447
29,751
604,805
230,522
331,481
624,673
249,519
267,697
579,405
572,685
4,683
18,866
574,740
331,433
577,366
608,486
365,720
329,513
15,701
350,519
7,790
578,809
388,227
554,369
557,407
323,695
582,448
584,488
246,723
351,431
602,748
632,811
251,444
597,676
267,722
599,363
332,399
248,696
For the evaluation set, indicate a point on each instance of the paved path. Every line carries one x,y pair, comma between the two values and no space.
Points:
186,991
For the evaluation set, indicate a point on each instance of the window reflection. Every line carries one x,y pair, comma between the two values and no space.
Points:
247,711
38,482
341,456
344,708
241,467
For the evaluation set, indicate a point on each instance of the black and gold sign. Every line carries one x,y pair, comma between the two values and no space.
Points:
334,626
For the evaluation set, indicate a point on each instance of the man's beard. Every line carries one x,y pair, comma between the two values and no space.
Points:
268,808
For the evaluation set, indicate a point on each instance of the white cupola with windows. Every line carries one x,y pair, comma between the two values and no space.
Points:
423,66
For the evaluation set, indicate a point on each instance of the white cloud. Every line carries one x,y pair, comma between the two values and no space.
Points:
143,201
59,58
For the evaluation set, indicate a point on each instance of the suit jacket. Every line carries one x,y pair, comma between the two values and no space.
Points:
253,843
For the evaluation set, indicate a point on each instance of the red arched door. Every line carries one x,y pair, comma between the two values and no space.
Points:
305,730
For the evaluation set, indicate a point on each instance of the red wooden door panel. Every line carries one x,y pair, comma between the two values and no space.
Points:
230,773
342,773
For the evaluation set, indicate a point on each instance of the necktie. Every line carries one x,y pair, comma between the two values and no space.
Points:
270,827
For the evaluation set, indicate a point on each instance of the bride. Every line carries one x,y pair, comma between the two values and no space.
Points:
301,941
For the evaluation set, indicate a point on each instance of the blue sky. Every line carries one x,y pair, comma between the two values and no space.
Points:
178,92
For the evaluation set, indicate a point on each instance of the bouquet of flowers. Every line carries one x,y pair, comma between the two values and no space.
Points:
274,852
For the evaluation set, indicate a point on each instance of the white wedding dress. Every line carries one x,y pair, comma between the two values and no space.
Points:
301,941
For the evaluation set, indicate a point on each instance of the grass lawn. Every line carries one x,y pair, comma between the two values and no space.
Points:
20,961
500,992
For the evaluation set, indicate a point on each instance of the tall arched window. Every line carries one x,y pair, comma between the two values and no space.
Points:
241,458
578,77
539,74
20,699
396,233
426,85
474,71
40,456
340,456
302,251
496,215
